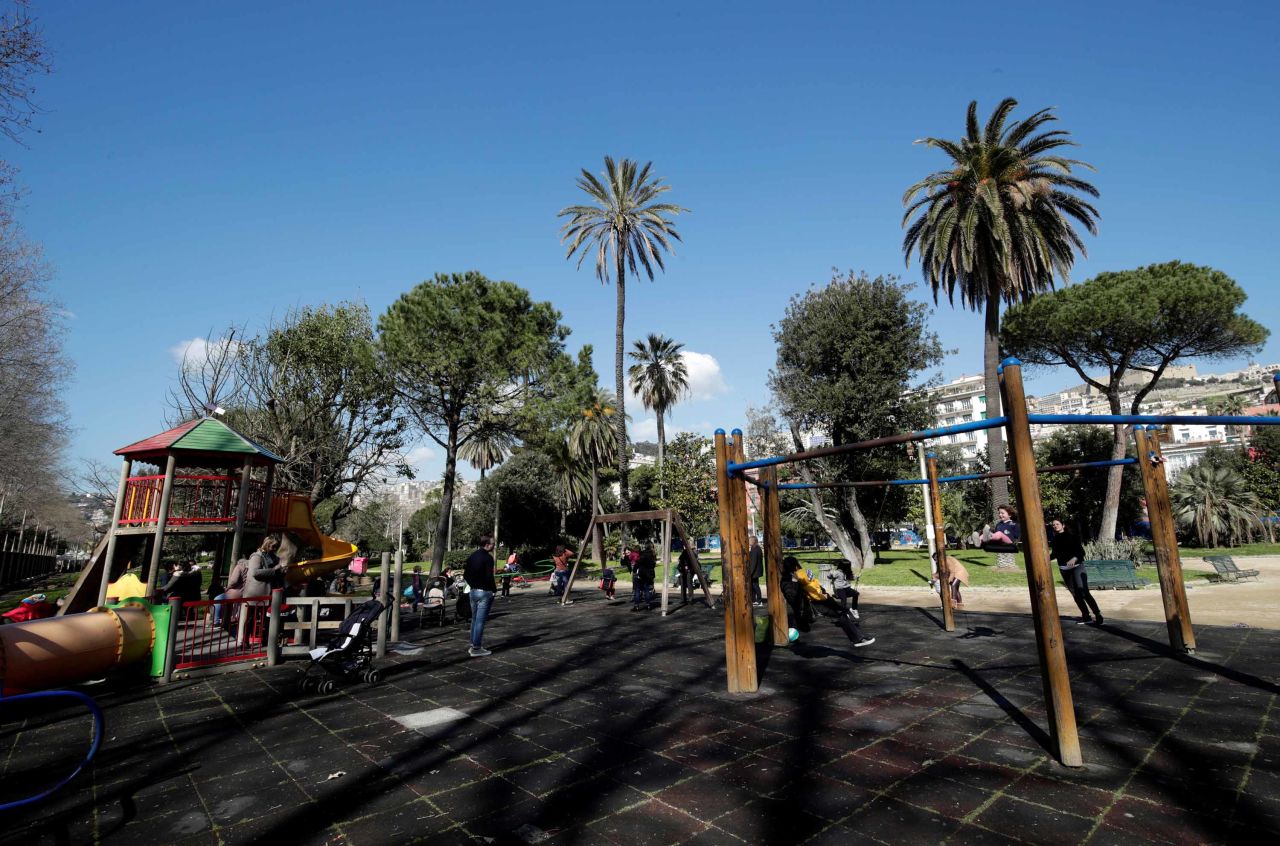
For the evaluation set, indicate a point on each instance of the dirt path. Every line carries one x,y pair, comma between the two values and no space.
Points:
1254,603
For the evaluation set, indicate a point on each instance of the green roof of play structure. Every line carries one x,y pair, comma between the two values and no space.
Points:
206,437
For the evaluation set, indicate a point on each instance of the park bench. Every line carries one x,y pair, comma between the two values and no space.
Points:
1113,574
1227,569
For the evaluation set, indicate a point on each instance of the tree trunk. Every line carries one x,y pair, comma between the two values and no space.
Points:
1111,500
624,487
843,540
995,437
662,451
867,557
597,543
446,500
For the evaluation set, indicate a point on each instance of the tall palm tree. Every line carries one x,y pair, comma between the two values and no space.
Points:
594,439
660,377
572,483
625,228
997,227
1215,503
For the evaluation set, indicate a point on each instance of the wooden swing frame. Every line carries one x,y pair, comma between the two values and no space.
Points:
670,520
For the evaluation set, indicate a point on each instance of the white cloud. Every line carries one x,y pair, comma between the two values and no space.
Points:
705,379
418,458
645,430
194,354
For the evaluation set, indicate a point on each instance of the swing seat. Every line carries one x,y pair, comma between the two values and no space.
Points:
996,546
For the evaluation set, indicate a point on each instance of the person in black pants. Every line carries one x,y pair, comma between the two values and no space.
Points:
1069,553
684,568
755,567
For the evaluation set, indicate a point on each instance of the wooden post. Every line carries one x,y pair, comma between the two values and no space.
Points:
273,627
739,586
666,561
936,528
1173,593
242,505
577,559
171,645
165,493
724,501
1035,548
772,519
396,595
381,650
125,468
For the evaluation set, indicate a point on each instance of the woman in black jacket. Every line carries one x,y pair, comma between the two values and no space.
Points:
1069,553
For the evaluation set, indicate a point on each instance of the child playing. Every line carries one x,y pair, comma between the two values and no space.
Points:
811,590
1006,531
607,582
842,588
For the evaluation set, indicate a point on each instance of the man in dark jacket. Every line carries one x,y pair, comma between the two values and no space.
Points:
479,573
755,568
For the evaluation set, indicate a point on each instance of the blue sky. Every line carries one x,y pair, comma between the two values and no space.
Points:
201,164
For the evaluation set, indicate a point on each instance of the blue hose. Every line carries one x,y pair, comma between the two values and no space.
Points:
94,710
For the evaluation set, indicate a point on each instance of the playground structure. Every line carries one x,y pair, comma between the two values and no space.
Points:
732,478
670,522
217,495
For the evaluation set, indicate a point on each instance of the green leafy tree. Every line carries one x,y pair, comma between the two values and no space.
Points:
594,440
1213,504
625,227
459,349
849,355
310,389
688,482
660,378
529,505
572,482
1078,498
1132,323
421,529
996,227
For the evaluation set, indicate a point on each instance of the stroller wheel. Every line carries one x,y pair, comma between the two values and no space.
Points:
372,676
307,685
326,687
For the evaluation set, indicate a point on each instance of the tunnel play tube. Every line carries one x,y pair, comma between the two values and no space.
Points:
58,651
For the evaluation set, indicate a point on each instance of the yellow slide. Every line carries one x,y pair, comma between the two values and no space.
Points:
300,522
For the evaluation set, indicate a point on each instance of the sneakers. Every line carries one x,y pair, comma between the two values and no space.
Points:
866,641
855,615
1097,621
478,652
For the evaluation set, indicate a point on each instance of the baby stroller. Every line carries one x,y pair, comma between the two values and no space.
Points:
349,653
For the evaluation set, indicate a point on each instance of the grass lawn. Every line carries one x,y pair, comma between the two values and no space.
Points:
1242,551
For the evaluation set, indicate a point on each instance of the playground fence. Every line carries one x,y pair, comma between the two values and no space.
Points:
17,567
307,620
240,634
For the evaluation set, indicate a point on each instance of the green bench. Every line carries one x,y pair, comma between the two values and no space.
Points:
1227,571
1113,574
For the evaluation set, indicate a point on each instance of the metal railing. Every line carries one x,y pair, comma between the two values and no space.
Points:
194,500
213,633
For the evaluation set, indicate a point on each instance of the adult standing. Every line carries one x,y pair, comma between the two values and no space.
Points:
479,571
755,569
560,576
684,569
642,580
1069,553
